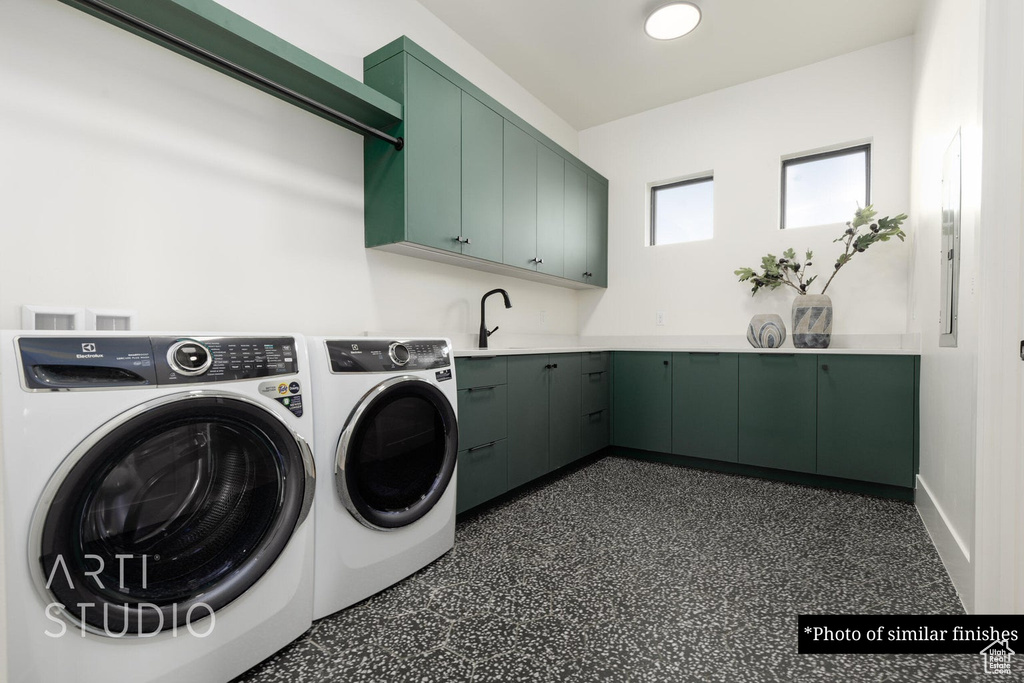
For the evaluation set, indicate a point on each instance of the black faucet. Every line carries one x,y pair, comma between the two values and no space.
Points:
484,333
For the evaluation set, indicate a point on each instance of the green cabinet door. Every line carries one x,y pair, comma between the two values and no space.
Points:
565,401
482,141
528,424
597,232
642,400
550,212
777,410
866,418
482,474
434,173
519,203
705,405
575,231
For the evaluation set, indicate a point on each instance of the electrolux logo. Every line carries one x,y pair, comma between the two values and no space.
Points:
88,351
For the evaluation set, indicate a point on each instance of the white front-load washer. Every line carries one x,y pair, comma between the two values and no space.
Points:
157,492
386,438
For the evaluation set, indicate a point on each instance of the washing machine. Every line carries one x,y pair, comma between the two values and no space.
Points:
386,435
157,498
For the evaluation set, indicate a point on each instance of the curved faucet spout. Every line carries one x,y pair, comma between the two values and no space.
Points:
484,332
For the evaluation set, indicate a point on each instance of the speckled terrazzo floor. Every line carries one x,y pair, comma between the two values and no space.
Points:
635,571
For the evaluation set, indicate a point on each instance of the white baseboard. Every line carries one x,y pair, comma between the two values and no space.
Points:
955,554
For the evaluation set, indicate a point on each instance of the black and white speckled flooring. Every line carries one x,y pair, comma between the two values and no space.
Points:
635,571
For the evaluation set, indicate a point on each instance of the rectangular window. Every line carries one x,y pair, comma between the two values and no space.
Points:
682,211
826,188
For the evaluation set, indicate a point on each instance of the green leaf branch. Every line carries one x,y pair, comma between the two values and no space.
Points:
788,271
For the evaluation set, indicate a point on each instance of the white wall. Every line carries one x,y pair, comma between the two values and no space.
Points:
135,178
741,133
947,95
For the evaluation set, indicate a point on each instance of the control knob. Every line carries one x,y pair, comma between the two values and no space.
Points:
188,357
399,353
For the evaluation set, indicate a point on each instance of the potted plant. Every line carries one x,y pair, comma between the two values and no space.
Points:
812,313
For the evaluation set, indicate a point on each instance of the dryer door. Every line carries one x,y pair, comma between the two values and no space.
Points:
397,453
169,512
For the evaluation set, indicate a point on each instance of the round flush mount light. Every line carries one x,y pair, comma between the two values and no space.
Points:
673,20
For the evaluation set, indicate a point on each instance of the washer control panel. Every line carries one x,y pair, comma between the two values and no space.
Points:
218,359
100,362
387,355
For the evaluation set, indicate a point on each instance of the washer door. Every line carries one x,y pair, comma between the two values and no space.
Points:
169,512
397,453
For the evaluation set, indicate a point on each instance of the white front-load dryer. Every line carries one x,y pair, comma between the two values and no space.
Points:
386,439
157,494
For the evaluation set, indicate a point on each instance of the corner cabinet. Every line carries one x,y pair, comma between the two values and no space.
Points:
475,185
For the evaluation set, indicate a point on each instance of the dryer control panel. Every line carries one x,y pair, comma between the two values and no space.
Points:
101,361
387,355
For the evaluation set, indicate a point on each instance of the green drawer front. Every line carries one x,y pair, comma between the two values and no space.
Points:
777,411
480,372
483,414
482,474
596,361
596,431
595,391
866,418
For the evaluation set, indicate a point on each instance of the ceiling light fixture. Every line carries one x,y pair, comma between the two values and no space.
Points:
672,21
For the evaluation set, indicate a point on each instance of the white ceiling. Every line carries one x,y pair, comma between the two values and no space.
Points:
590,61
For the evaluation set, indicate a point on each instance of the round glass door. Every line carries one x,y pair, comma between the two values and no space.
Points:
182,506
397,453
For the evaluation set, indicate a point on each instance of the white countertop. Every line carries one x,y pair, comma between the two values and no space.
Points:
784,351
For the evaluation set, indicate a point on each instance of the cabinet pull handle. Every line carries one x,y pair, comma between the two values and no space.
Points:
825,367
596,372
458,238
588,274
665,362
537,260
596,412
483,445
551,366
592,352
493,386
467,241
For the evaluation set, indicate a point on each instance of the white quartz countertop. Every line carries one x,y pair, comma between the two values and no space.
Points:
784,351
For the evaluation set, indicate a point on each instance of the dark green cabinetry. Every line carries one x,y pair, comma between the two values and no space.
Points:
520,199
483,428
550,212
564,407
527,418
597,233
705,397
476,185
595,426
866,418
575,224
642,400
482,153
777,411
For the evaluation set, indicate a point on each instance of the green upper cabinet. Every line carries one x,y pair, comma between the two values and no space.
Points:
597,232
475,185
550,212
575,224
434,153
642,400
520,199
866,418
777,410
705,398
482,143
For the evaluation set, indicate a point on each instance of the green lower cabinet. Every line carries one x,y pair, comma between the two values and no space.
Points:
866,418
642,400
482,474
705,405
777,411
595,431
483,412
564,407
528,421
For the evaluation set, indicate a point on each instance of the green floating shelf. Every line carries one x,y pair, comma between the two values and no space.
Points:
213,35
